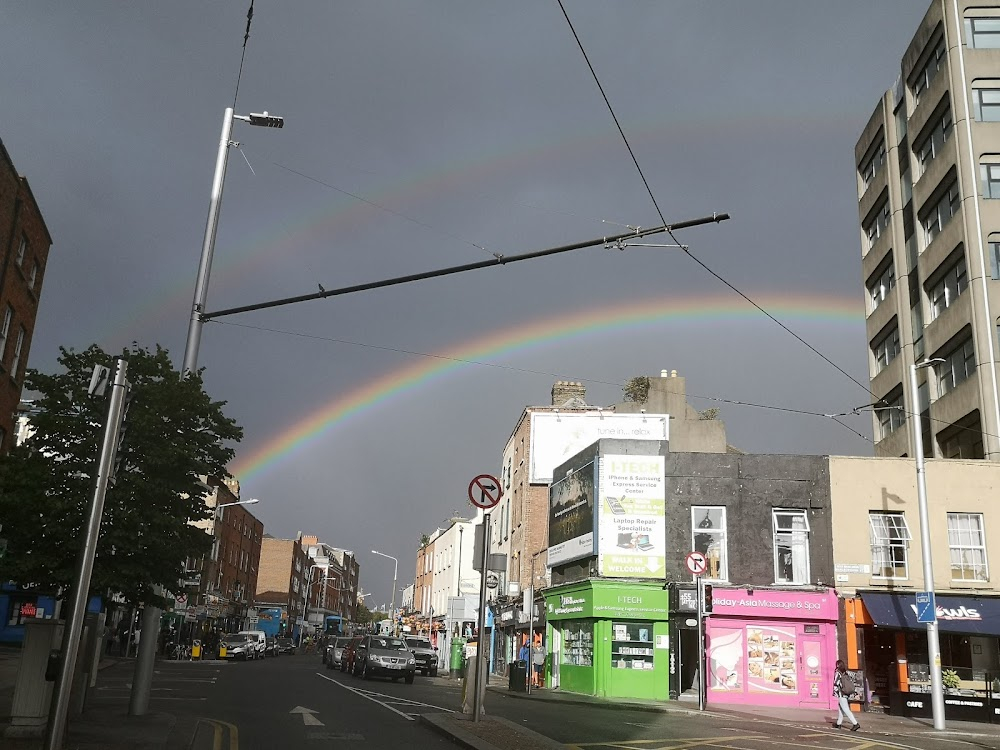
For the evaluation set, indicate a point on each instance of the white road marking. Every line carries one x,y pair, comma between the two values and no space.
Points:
307,715
370,695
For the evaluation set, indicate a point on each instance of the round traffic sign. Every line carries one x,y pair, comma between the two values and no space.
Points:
696,563
492,581
485,491
181,598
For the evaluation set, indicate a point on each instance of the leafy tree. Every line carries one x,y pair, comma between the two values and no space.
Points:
424,540
636,389
174,436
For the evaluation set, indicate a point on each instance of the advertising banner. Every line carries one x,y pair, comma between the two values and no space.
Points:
556,438
571,516
630,518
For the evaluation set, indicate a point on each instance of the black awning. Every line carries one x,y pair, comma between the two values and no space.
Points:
978,615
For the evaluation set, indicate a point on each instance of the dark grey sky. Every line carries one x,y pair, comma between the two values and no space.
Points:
467,124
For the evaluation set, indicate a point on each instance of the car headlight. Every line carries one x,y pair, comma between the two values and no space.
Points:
412,661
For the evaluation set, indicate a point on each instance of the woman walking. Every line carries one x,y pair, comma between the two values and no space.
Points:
843,688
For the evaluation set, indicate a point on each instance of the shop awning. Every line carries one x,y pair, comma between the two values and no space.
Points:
978,615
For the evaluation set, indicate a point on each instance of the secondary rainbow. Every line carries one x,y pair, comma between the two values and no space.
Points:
588,322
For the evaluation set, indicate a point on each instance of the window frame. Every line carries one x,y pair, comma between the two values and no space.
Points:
8,319
980,94
879,289
946,371
721,532
791,538
15,361
886,348
948,287
22,250
891,417
989,178
929,70
971,34
873,163
930,146
884,540
970,547
878,223
941,212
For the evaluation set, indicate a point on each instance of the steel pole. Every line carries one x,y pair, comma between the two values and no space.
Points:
196,322
85,562
702,660
933,643
392,606
477,697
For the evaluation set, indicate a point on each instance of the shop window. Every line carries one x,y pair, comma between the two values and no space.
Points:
791,546
967,547
632,645
708,536
578,643
890,537
726,660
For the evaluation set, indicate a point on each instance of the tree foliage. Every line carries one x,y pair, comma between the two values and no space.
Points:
636,389
174,435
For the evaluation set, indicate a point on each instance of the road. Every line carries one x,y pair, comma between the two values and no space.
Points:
295,702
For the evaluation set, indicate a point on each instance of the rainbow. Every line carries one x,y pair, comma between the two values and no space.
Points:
570,326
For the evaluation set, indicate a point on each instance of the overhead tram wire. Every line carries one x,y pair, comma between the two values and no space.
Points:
528,371
685,248
498,260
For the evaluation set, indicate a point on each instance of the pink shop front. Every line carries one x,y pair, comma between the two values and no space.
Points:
772,648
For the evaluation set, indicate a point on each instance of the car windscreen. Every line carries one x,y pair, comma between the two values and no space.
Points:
417,643
341,642
236,638
389,644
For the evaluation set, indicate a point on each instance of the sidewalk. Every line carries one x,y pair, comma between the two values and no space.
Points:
882,724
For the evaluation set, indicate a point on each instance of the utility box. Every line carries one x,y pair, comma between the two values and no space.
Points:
33,693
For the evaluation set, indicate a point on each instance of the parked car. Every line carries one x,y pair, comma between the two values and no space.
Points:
270,645
347,655
238,646
384,656
335,652
258,641
425,654
285,644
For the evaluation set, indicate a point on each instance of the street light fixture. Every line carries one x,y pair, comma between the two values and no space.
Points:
933,642
196,322
395,569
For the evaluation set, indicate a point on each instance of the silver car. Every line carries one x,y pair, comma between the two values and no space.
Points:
334,651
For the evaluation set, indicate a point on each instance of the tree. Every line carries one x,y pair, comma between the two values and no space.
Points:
636,389
174,435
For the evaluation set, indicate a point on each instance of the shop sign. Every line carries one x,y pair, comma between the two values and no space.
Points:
29,609
956,614
798,605
630,516
619,602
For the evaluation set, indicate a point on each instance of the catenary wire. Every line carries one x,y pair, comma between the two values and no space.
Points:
686,249
246,36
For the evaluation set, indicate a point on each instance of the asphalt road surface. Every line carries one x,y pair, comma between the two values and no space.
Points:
295,702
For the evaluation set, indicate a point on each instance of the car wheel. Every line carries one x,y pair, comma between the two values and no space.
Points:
409,679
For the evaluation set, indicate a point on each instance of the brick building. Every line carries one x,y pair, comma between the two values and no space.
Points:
23,258
281,580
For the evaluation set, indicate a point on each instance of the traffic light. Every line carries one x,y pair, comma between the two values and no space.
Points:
121,449
707,601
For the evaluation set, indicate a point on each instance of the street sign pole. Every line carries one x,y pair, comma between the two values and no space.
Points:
702,661
479,673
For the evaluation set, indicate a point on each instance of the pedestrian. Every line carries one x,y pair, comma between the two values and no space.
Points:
537,663
122,637
843,688
525,653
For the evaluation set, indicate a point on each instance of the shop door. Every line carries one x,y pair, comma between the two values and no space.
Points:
814,672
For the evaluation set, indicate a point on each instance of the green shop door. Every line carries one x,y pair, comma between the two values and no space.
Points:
633,659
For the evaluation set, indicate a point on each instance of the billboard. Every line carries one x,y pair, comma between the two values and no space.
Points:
556,437
571,516
631,529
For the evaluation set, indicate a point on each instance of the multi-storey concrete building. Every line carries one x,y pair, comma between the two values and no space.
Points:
23,257
928,182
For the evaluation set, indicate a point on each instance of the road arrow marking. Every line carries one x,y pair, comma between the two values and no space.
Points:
307,716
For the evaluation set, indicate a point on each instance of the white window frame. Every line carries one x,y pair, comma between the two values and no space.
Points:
988,34
965,543
959,364
948,288
18,346
872,165
880,288
929,70
886,349
878,224
931,145
698,514
796,540
22,250
941,213
989,177
8,317
994,242
986,98
891,417
889,544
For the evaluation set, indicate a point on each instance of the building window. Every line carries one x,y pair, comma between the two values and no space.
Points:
958,365
989,175
22,250
891,417
871,167
890,537
791,546
879,289
948,288
18,346
8,316
967,546
886,349
941,212
877,224
708,536
987,103
932,144
994,241
930,70
982,33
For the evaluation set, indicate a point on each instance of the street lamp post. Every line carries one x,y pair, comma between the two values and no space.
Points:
933,642
395,569
196,322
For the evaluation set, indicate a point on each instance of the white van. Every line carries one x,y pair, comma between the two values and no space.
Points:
257,641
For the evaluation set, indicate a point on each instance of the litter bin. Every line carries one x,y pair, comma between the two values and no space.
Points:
517,672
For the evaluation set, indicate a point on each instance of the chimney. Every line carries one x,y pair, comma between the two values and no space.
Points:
564,390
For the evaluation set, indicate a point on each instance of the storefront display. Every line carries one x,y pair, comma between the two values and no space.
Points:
772,647
611,638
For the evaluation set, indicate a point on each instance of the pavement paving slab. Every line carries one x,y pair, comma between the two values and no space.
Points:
489,733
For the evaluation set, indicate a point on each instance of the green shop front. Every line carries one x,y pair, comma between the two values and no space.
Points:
609,638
